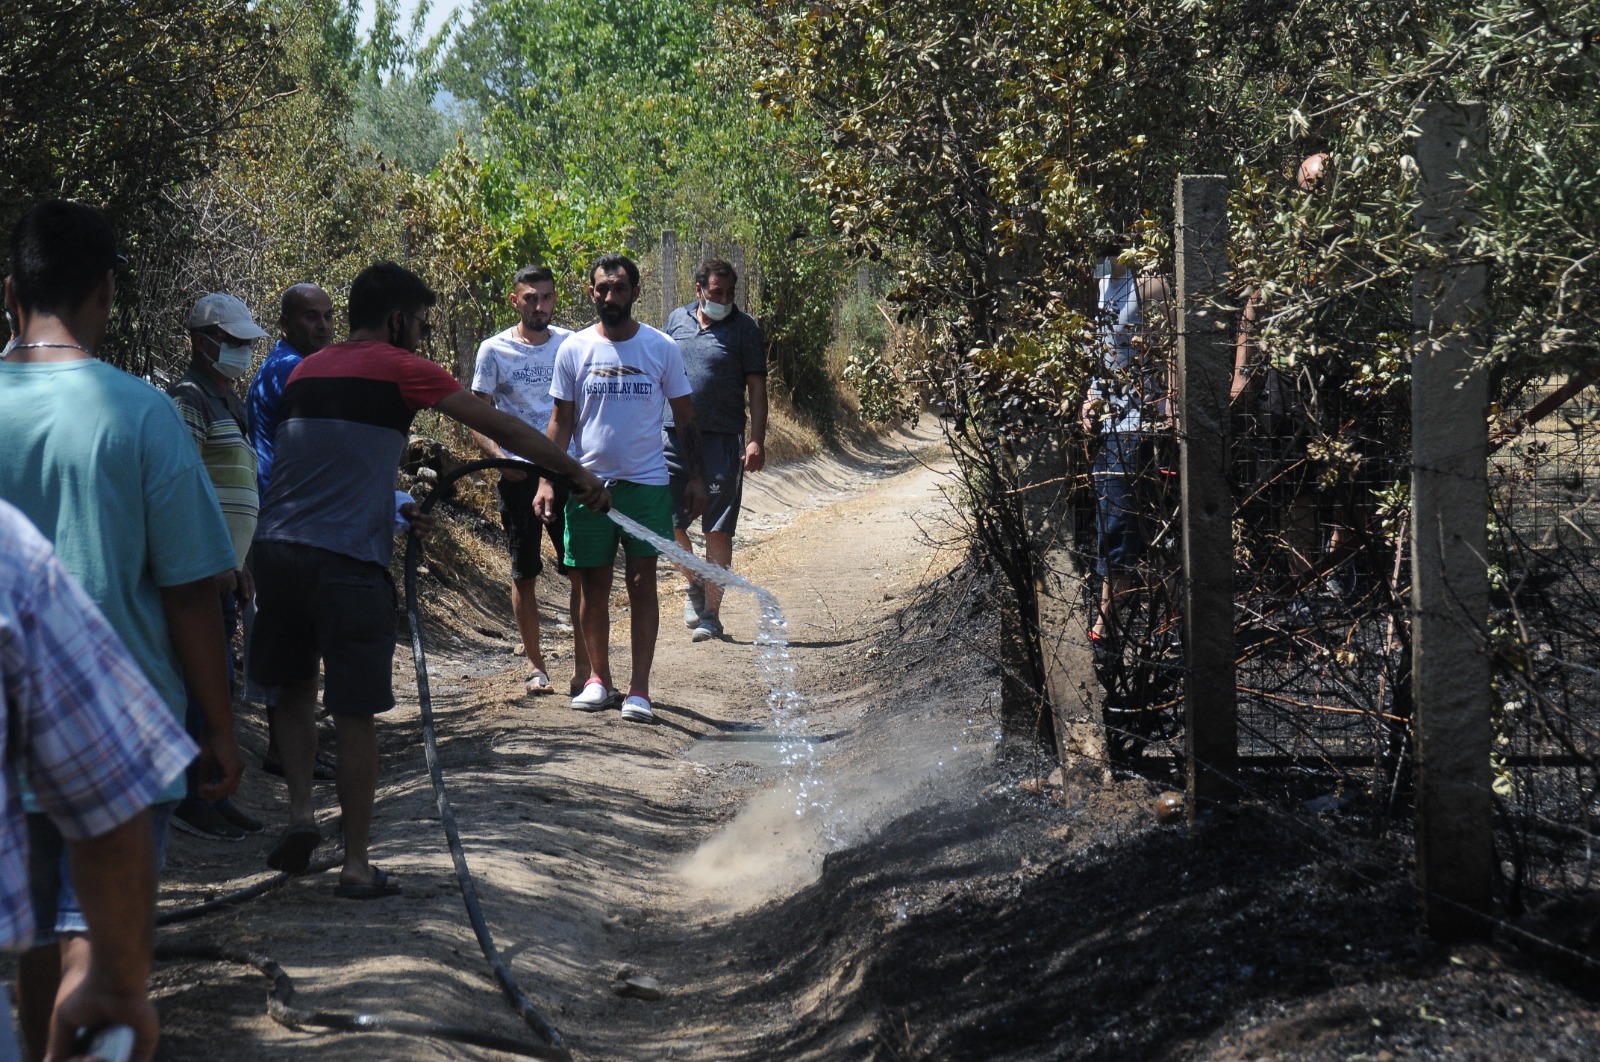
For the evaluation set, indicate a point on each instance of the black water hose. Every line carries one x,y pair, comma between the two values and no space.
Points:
469,892
249,892
281,1008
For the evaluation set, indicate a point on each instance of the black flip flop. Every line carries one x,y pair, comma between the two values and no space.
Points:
382,885
324,771
293,851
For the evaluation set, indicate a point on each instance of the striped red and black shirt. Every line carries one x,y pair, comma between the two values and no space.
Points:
343,425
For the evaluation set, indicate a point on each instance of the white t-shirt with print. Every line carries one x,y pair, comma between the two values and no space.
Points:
619,393
517,375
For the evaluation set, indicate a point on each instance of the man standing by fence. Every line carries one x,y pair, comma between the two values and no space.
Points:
613,384
725,358
513,374
1127,401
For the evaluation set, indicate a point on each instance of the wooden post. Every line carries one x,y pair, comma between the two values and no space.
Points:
1449,559
1205,367
669,274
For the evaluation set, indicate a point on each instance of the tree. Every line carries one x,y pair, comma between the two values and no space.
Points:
989,151
115,101
400,107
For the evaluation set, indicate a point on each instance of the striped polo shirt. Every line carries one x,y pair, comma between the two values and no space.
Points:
342,428
215,417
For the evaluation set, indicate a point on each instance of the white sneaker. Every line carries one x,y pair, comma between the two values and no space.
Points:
637,709
709,629
694,603
596,697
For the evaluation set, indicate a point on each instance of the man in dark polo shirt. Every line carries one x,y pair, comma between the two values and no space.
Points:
726,359
322,547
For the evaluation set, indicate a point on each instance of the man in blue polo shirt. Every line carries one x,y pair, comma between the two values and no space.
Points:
305,326
726,358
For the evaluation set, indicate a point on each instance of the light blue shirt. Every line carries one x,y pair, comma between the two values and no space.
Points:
104,467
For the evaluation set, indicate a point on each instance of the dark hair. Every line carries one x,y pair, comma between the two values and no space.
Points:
612,262
60,252
715,267
379,290
532,274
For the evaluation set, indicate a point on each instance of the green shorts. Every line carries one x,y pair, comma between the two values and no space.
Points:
592,537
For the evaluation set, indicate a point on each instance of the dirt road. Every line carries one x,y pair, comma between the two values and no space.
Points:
599,844
901,891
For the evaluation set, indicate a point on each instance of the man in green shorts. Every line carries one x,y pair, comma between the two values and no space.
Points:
612,385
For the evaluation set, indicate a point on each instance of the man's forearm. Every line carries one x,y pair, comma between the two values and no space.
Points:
757,386
114,875
486,444
506,430
689,448
194,620
489,447
538,447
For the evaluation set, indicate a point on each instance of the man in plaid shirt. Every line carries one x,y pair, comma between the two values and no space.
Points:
81,724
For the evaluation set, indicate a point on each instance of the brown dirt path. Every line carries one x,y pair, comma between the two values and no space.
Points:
586,834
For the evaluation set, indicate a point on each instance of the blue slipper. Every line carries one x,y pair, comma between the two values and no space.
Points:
382,885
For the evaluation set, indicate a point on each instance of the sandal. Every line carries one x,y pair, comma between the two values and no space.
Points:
292,853
382,885
537,682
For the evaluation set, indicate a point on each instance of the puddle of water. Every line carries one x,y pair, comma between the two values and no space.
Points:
764,748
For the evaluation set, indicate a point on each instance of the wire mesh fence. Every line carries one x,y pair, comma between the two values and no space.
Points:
1321,578
1319,470
1544,632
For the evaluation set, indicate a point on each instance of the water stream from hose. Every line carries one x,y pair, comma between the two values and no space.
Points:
796,752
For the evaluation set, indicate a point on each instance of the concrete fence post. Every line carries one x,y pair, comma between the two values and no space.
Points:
669,274
1449,569
1205,366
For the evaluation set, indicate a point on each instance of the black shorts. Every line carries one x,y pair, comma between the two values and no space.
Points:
524,529
313,604
722,454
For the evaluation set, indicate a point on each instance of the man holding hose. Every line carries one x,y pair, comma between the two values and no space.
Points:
322,548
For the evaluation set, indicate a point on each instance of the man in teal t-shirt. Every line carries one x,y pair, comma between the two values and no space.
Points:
103,465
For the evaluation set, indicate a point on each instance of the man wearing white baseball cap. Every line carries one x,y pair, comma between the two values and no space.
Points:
221,330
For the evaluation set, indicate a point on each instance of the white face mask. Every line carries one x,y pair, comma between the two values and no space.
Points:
233,359
715,310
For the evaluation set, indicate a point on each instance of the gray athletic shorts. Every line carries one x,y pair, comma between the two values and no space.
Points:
723,455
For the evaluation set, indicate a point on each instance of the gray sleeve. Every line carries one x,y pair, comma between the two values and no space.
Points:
753,349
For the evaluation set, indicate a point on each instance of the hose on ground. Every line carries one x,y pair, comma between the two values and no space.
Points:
280,1005
469,891
281,1008
249,892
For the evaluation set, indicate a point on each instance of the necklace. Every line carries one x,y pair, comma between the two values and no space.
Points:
63,346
